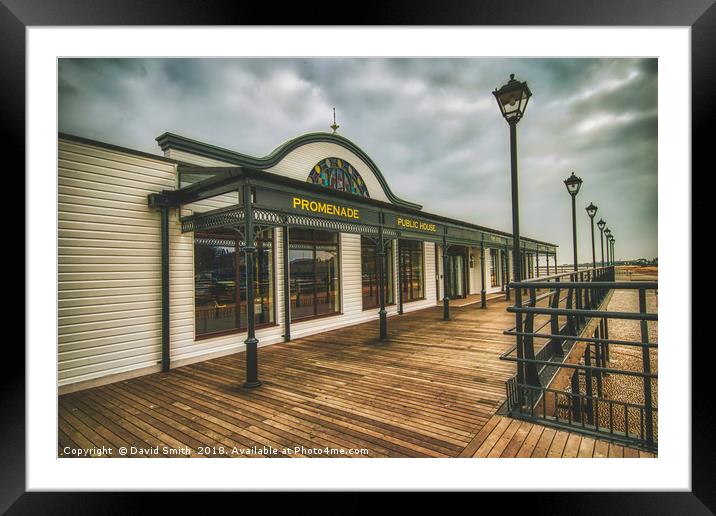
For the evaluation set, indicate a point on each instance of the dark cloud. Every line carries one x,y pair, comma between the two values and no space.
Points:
431,125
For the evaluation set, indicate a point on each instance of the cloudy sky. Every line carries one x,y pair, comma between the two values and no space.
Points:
431,125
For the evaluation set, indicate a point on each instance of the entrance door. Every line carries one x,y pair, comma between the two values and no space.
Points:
456,276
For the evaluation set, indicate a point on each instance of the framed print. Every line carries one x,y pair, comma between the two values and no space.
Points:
431,243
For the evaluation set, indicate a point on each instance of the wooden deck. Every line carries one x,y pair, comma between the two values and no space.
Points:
432,390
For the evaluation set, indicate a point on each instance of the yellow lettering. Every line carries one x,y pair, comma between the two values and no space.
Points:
323,207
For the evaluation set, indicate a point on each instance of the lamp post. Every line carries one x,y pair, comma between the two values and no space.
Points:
614,259
601,225
608,232
512,100
592,211
573,184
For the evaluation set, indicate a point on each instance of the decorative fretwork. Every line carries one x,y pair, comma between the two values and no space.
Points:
338,226
267,217
213,219
215,242
233,217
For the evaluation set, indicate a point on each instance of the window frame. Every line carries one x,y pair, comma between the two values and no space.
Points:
273,290
314,244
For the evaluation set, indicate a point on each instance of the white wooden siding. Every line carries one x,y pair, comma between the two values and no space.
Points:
109,290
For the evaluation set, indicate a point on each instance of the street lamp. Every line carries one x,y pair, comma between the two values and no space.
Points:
512,100
608,232
592,211
573,184
601,225
614,260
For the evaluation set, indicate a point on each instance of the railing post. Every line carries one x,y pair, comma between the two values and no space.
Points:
599,356
588,376
571,326
528,344
646,365
556,344
576,398
507,274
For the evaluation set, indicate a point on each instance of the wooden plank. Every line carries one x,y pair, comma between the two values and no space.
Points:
601,449
571,448
517,440
530,442
586,447
556,448
477,441
631,453
616,451
544,443
491,439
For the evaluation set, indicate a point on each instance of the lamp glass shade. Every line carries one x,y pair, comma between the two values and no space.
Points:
601,224
512,99
573,184
591,210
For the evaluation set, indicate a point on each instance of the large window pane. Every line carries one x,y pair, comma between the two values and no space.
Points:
411,270
219,267
215,283
494,267
369,273
314,273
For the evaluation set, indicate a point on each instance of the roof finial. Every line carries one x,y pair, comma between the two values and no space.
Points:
334,126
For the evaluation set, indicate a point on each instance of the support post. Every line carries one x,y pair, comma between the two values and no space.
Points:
574,231
646,367
400,279
537,262
483,293
252,366
516,248
594,255
446,299
164,220
381,285
506,255
286,286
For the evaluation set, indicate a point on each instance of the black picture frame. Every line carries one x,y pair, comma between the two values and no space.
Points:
700,15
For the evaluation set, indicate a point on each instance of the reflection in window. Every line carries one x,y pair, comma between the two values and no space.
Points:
314,273
369,273
410,262
219,267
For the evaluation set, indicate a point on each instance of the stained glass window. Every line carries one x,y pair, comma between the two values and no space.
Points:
338,174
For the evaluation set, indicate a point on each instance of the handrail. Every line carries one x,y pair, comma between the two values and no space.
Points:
576,301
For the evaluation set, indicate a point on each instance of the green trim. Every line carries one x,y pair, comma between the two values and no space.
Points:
175,141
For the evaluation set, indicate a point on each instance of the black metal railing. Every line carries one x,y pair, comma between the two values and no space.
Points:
565,376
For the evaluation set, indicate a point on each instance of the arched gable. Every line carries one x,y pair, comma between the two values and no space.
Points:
295,158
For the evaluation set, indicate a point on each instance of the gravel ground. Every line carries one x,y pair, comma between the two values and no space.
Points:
629,388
